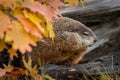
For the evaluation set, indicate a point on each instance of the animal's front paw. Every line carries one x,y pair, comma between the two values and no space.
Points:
65,64
68,64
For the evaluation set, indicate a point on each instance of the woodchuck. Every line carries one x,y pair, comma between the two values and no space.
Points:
72,39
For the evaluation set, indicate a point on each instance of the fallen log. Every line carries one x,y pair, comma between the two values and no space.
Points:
94,11
104,57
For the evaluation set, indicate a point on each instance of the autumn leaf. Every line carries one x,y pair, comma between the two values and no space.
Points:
28,25
43,25
50,29
16,72
34,19
28,66
2,44
12,53
46,11
20,38
8,3
32,1
55,3
46,76
45,29
40,78
4,22
74,2
5,70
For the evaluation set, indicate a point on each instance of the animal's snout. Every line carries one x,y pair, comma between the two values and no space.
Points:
95,40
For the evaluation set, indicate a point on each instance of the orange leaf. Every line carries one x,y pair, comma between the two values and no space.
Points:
28,25
40,78
55,3
4,22
12,53
50,29
16,72
20,38
8,3
5,70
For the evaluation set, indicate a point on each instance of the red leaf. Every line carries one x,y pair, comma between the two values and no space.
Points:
16,72
47,11
5,70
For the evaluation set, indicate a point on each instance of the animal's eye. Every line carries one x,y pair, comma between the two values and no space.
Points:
71,30
85,33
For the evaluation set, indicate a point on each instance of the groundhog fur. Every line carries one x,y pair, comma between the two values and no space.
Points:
71,42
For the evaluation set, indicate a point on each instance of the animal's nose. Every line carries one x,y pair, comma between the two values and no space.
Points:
95,40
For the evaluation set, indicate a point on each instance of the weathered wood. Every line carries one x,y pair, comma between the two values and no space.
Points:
94,11
103,58
108,40
77,71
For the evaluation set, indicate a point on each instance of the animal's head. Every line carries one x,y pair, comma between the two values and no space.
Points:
86,34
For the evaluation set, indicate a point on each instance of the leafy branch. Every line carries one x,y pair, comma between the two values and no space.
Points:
24,22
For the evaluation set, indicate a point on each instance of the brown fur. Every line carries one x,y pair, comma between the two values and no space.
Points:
71,43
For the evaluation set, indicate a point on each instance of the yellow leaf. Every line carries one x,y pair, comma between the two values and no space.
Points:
28,66
50,29
45,28
43,24
72,2
32,1
12,53
48,77
34,19
2,45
